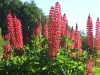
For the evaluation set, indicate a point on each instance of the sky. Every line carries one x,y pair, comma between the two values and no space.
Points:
77,11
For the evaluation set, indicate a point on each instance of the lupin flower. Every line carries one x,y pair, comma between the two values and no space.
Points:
9,21
97,36
18,42
72,37
51,21
6,37
37,29
64,26
89,37
54,31
89,67
10,28
78,43
45,30
14,29
7,51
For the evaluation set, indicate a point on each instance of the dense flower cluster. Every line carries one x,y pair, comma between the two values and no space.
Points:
89,37
18,42
45,30
64,26
10,27
14,29
72,37
6,37
37,29
97,36
7,51
89,67
78,43
54,30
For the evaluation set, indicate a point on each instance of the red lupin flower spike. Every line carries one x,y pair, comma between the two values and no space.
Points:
89,37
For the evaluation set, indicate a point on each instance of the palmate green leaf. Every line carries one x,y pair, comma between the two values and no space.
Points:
98,53
72,64
27,47
96,71
60,57
24,58
7,63
68,42
44,68
81,68
35,41
14,61
37,44
61,61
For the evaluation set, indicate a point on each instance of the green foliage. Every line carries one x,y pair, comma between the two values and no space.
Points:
14,66
36,62
96,69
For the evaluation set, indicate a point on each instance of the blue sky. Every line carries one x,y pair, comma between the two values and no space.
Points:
75,10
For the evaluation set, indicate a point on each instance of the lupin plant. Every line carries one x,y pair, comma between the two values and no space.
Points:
97,35
51,16
10,27
14,29
7,51
89,67
54,32
78,43
89,35
72,37
64,26
37,29
15,33
64,30
45,30
18,42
